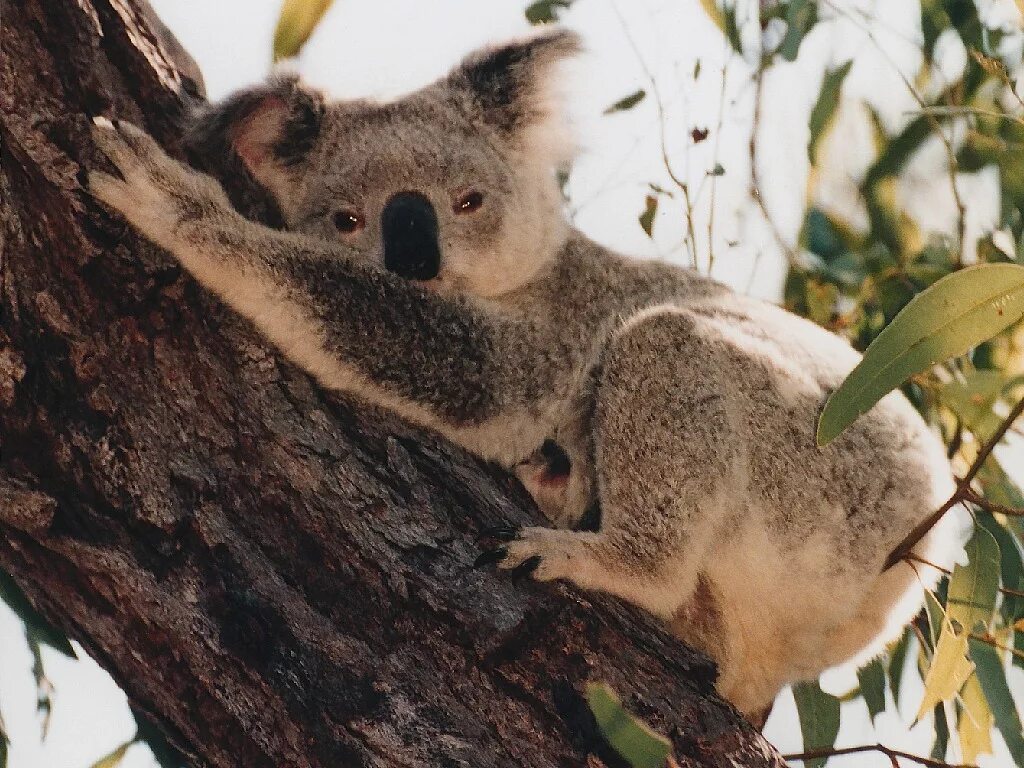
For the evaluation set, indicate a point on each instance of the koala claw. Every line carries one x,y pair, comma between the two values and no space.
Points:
489,556
546,553
500,532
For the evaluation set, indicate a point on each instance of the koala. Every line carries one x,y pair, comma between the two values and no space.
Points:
664,423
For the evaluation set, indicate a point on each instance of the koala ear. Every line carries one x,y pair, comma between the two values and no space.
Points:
510,86
271,128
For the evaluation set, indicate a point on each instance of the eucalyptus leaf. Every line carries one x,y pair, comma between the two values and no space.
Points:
992,677
296,23
546,11
627,102
949,670
113,758
955,314
974,726
825,107
633,739
819,719
941,727
646,218
871,678
801,16
971,599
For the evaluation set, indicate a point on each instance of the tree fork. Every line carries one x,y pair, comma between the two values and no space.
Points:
276,576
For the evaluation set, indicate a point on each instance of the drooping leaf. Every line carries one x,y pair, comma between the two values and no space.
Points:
872,686
934,21
898,664
1011,567
633,739
647,217
949,669
113,758
973,399
627,102
971,599
296,23
824,110
936,616
974,725
5,743
546,11
955,314
819,719
941,728
801,15
992,677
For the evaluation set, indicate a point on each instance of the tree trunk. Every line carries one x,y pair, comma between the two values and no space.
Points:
276,576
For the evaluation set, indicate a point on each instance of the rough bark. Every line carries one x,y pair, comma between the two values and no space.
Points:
274,575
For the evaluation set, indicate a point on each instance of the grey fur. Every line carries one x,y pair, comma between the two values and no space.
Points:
687,412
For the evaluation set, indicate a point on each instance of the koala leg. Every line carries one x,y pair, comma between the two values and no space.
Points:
663,456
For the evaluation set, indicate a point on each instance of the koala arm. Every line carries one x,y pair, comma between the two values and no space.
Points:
356,327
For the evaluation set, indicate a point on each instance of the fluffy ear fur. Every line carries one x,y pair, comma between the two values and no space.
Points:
271,128
510,86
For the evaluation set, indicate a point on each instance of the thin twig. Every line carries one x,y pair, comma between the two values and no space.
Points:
892,754
660,107
960,495
1001,509
718,136
755,176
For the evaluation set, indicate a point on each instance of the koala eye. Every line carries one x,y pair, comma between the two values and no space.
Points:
469,202
348,222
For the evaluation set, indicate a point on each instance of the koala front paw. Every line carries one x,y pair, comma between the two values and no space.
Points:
546,553
156,193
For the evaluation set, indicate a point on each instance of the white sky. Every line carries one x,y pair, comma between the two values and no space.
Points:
391,46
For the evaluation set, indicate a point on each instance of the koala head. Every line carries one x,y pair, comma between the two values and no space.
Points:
453,185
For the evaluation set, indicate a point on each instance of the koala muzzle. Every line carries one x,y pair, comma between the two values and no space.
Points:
409,229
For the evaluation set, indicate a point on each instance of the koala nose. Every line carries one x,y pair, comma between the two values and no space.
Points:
409,229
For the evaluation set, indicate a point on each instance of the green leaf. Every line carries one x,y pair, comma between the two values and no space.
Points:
941,733
898,664
724,17
633,739
992,676
296,23
546,11
872,686
819,719
971,599
801,15
1011,567
956,313
973,399
825,107
647,217
627,102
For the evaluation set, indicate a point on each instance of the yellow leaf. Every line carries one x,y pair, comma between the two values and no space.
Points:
296,23
975,723
949,669
113,758
1018,625
715,13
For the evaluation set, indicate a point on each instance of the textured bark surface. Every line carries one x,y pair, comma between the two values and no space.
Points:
275,576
